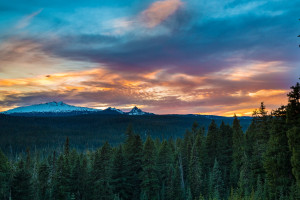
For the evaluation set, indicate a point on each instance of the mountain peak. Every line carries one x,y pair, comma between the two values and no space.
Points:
109,109
136,111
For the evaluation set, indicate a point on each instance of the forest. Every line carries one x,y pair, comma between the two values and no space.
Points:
222,162
89,131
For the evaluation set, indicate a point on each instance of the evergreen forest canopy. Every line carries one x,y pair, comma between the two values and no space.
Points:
224,162
88,132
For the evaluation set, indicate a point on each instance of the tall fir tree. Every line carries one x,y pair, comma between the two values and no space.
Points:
277,158
133,149
43,182
118,174
102,189
21,187
150,182
217,183
237,151
5,176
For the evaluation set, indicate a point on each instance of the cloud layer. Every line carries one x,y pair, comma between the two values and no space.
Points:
205,56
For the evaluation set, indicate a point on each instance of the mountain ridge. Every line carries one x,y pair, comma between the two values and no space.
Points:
61,108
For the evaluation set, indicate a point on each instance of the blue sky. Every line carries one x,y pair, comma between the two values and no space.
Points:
202,56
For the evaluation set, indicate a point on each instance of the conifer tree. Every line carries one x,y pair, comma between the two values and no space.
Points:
150,182
102,175
277,159
133,149
294,145
118,174
164,161
5,174
21,188
43,182
217,182
245,177
195,177
212,141
225,152
237,151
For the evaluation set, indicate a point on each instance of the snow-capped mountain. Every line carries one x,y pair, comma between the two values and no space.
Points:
62,109
111,110
50,107
136,111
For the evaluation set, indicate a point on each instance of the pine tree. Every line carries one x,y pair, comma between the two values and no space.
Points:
217,182
294,145
212,143
245,177
261,127
102,174
293,107
21,188
61,180
75,179
195,176
43,182
5,174
186,149
118,174
133,149
277,159
225,152
176,192
237,151
150,182
164,162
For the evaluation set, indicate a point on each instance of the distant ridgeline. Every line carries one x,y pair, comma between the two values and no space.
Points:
220,163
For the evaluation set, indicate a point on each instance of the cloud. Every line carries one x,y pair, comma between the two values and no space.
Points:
211,57
26,20
159,11
157,91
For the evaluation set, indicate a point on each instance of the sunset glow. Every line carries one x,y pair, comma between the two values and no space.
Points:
167,57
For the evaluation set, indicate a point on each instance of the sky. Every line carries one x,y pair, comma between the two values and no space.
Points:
167,57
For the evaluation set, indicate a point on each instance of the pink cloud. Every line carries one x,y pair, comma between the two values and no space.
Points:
159,11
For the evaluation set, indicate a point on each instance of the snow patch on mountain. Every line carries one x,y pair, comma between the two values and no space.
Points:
53,107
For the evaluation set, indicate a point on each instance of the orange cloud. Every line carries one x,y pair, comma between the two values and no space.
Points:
159,11
158,91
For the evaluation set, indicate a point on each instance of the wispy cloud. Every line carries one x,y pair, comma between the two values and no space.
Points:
159,11
25,21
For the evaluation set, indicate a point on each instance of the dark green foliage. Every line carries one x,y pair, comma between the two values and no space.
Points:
43,181
277,159
118,174
91,131
101,173
245,177
21,187
133,149
150,182
212,141
217,183
294,145
237,150
5,176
